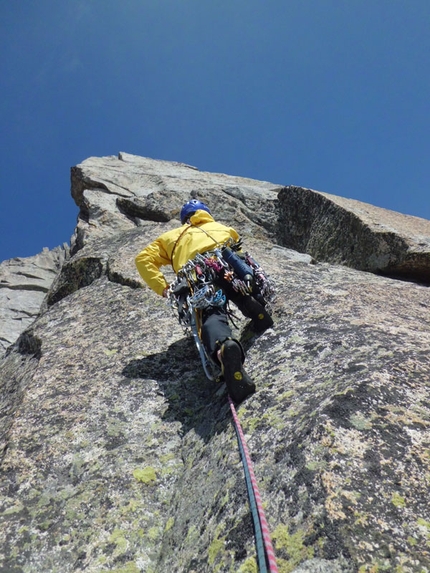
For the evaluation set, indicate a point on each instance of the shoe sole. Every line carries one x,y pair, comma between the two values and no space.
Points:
261,319
239,384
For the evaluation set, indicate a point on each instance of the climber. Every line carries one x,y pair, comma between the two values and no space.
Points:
200,233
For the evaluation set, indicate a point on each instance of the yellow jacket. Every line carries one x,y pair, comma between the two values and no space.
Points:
178,246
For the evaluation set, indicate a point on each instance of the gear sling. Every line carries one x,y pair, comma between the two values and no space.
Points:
203,287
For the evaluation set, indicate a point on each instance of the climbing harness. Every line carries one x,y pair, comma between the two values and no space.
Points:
195,290
265,553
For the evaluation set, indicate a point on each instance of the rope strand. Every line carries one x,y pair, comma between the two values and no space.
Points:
254,496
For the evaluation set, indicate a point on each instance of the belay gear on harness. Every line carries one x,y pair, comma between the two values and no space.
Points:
199,287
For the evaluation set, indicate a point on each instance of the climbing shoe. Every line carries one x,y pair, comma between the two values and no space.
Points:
261,319
239,384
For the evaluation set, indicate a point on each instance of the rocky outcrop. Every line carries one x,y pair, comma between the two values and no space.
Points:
24,283
352,233
118,455
117,193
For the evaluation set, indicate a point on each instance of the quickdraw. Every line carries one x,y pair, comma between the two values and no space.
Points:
200,274
195,290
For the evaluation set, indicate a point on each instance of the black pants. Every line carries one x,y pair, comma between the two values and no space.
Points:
215,326
215,329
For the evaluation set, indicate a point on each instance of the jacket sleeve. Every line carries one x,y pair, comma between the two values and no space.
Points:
234,235
148,263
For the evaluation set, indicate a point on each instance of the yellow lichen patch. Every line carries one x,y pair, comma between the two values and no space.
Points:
250,424
16,508
214,548
398,500
145,475
165,458
361,519
153,533
286,396
121,543
315,465
351,496
192,534
273,419
110,352
250,566
424,526
294,547
129,567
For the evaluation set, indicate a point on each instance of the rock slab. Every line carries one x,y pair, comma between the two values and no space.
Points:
359,235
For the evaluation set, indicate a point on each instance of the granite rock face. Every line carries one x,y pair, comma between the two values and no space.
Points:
356,234
24,283
118,455
116,193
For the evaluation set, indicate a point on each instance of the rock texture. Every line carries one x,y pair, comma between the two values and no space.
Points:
117,193
348,232
118,455
24,283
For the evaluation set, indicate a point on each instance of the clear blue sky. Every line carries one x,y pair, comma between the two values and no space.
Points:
327,94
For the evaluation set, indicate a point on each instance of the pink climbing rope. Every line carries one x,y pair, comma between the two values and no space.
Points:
268,547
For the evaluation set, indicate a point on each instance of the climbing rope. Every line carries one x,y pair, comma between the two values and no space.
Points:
265,554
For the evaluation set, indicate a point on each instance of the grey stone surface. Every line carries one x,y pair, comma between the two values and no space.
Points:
352,233
116,193
24,283
118,455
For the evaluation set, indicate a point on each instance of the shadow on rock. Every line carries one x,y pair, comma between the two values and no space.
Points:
194,400
167,366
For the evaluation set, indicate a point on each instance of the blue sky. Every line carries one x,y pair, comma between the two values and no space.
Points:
327,94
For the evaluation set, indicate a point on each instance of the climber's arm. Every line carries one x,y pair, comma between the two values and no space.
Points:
148,263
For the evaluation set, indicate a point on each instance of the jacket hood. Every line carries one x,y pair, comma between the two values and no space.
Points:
201,217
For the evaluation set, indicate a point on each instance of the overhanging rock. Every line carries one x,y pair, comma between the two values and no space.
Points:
355,234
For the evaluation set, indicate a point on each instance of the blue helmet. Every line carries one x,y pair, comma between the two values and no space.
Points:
191,207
